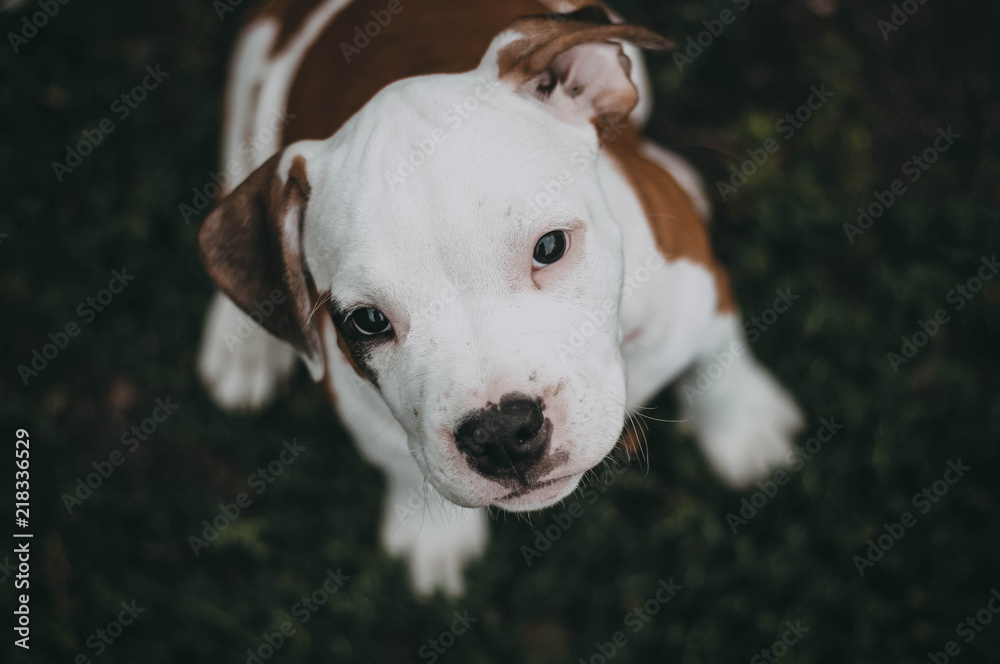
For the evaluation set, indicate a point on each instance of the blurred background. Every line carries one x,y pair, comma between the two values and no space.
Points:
794,560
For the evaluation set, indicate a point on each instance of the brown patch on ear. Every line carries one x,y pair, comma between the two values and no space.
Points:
570,62
679,230
251,246
547,35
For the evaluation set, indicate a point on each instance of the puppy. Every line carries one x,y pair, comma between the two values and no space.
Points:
457,226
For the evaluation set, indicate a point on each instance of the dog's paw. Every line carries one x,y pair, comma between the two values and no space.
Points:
241,365
436,543
747,426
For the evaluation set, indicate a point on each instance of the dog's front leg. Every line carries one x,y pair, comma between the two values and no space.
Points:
241,363
743,419
435,537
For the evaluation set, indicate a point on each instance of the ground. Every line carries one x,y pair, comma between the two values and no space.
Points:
848,550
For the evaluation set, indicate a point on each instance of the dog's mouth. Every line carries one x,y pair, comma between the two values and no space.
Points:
538,495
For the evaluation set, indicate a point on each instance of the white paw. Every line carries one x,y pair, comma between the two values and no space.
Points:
241,364
436,540
745,424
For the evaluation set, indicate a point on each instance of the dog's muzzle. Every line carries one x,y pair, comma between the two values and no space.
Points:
506,441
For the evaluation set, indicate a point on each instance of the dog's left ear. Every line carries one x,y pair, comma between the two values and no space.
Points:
251,245
571,63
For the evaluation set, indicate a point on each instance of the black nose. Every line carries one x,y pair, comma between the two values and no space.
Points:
504,441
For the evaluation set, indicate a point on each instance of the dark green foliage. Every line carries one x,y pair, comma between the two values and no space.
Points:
784,228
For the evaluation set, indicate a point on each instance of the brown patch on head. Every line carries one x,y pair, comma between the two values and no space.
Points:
679,230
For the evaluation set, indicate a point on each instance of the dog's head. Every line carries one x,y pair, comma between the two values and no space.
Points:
453,240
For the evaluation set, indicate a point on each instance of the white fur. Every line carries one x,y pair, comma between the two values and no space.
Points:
242,99
445,252
242,371
397,252
745,421
663,318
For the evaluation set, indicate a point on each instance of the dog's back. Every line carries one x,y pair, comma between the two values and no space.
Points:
303,67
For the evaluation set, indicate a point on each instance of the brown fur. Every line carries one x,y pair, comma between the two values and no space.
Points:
545,38
426,37
677,226
246,251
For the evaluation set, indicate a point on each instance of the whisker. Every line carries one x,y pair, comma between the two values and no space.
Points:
323,299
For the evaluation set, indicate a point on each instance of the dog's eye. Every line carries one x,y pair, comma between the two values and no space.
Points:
550,248
370,322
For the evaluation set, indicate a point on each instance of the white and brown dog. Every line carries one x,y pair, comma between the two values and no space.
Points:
463,235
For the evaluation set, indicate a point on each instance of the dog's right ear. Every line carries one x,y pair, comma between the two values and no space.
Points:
573,63
251,245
